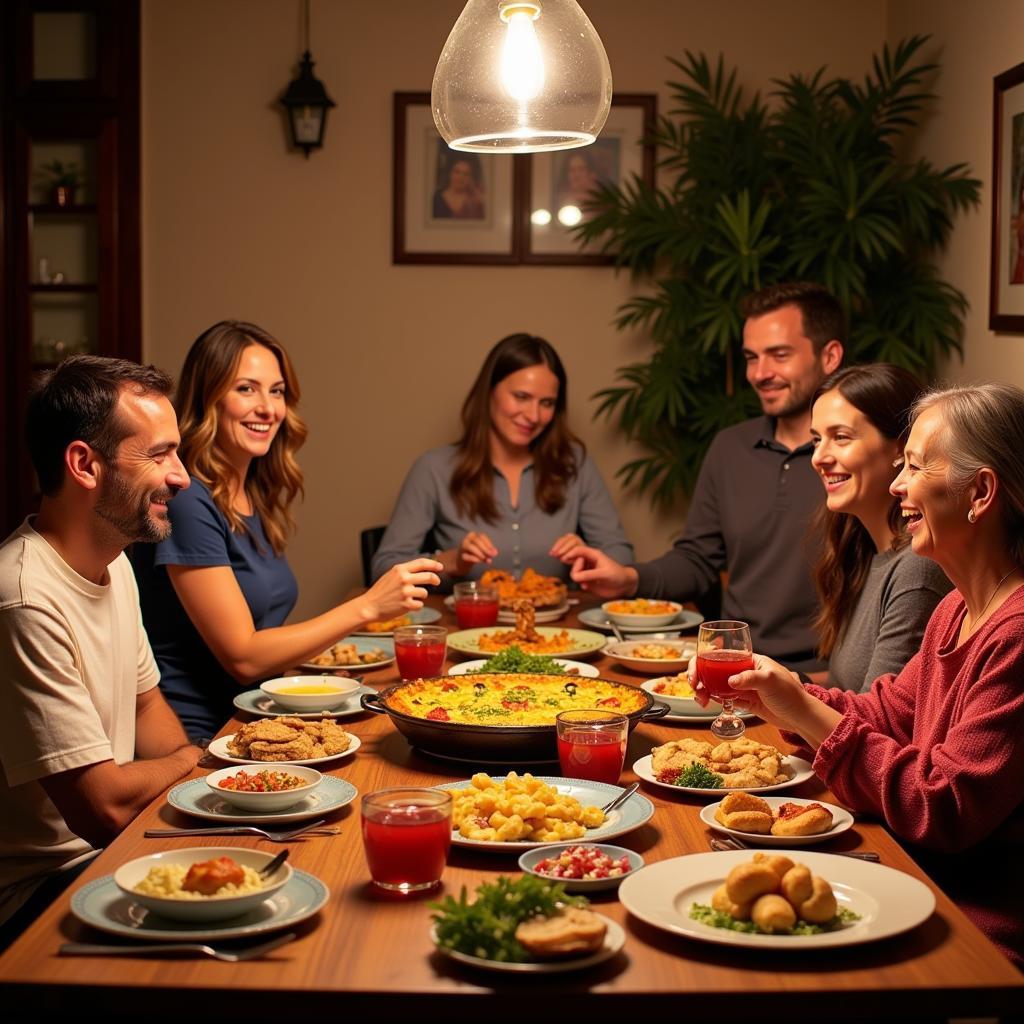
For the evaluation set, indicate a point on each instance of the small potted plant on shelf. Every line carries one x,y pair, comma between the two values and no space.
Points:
61,179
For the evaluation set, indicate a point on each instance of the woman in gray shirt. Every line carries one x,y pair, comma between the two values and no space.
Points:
876,594
517,489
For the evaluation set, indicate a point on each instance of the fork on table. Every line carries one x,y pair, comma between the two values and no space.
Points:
232,956
274,835
721,844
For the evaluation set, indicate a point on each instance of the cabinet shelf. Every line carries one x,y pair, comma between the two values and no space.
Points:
72,288
76,209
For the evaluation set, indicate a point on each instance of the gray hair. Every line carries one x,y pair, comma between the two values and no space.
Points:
984,428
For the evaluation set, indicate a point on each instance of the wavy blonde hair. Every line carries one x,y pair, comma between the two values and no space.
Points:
274,481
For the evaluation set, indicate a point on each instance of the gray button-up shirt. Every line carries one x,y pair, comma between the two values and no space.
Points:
523,534
750,514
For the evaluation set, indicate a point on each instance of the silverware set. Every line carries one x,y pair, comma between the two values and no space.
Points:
230,956
274,835
721,844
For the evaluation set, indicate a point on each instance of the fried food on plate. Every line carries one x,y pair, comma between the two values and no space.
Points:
743,763
801,820
540,591
525,635
745,812
387,625
289,739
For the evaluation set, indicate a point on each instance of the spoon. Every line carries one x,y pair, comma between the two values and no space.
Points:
270,867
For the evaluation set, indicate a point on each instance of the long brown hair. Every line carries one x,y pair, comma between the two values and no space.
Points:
555,452
273,481
885,394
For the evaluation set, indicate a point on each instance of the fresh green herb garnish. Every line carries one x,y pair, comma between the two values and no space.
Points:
719,919
512,659
698,776
486,928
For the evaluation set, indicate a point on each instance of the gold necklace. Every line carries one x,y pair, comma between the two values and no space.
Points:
977,619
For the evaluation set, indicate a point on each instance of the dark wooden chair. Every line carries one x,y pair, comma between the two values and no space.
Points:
369,541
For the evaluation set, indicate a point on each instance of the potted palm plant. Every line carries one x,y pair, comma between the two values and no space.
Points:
61,179
810,185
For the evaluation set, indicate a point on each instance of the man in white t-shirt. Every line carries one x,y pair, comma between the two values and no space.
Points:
86,738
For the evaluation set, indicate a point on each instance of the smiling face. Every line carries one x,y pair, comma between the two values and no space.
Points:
145,473
782,366
251,411
935,519
522,405
853,457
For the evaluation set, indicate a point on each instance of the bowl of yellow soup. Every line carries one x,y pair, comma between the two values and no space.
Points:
310,693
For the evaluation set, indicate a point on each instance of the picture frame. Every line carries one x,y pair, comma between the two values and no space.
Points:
1006,281
448,207
451,207
555,185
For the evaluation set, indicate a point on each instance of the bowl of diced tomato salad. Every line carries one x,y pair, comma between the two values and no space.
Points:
264,787
582,867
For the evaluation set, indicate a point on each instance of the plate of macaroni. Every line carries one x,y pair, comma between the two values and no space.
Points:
567,643
521,812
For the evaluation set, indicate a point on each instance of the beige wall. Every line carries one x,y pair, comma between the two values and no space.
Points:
236,226
974,43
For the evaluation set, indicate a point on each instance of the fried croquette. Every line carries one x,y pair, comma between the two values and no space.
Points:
773,913
289,739
748,881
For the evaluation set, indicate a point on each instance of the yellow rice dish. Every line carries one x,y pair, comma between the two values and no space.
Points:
512,699
166,881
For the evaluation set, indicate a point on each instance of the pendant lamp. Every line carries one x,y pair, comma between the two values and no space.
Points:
521,76
307,102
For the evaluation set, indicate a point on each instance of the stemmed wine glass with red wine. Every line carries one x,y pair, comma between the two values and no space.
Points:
723,650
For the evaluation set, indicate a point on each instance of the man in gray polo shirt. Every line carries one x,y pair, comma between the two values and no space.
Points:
756,492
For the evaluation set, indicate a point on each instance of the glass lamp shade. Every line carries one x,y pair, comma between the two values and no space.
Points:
521,76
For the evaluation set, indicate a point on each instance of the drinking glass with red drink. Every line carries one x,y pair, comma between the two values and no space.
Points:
420,651
592,744
475,604
723,650
407,833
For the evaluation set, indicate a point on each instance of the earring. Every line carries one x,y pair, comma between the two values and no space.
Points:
972,516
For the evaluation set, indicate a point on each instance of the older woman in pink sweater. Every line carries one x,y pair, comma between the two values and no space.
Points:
937,750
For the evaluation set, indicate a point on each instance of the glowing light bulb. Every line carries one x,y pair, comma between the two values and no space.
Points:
522,64
570,215
540,217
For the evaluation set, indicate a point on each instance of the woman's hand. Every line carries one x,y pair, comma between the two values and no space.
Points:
567,542
774,693
474,549
400,589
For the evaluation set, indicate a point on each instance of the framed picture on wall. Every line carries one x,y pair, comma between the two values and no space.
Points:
1006,302
557,185
448,207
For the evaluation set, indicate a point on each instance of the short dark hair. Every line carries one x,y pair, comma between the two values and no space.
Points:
820,312
77,401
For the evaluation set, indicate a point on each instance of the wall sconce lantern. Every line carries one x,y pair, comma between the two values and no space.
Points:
307,103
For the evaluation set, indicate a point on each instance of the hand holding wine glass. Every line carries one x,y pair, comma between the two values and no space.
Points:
723,650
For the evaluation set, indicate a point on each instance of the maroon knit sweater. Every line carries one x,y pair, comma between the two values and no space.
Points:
938,753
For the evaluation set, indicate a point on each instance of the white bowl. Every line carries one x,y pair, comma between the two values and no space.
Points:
679,705
209,908
264,802
281,691
528,862
623,651
629,619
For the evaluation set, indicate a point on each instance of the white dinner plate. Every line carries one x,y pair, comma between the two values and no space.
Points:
802,771
622,652
420,617
888,901
581,641
636,811
198,800
256,702
506,615
685,621
614,940
219,748
363,644
699,719
100,904
580,668
842,821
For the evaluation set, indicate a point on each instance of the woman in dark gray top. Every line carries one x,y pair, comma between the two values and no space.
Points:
876,595
517,489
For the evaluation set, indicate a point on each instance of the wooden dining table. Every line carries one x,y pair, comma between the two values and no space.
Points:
367,952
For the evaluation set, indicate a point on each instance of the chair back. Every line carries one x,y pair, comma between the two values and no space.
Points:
369,541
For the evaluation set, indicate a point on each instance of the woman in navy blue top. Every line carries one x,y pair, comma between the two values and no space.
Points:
215,594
